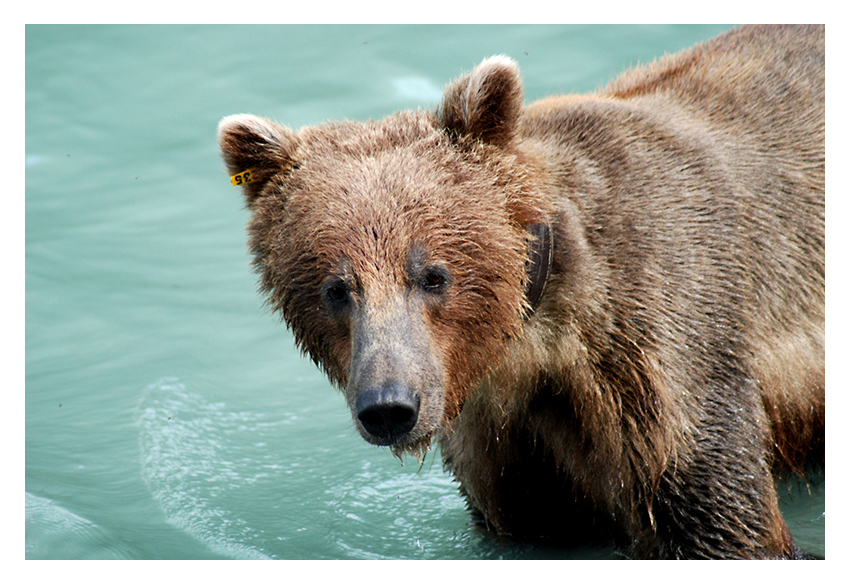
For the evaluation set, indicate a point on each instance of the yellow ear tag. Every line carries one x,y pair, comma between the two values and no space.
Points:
243,178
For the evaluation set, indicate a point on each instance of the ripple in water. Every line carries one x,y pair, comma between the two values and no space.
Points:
53,532
188,465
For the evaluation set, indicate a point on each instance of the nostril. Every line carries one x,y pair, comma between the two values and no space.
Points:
388,412
402,417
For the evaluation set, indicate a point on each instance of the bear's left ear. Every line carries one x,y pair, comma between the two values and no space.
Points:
485,104
255,150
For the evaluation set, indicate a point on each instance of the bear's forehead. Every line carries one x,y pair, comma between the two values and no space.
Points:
374,171
373,192
399,187
377,200
378,212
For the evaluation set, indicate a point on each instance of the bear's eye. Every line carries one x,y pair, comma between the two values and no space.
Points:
434,280
336,291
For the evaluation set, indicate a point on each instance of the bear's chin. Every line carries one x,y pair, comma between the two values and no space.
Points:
416,443
418,449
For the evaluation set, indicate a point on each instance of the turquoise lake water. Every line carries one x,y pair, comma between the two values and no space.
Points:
168,414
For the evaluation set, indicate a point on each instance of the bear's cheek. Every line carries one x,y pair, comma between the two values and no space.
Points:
471,334
334,353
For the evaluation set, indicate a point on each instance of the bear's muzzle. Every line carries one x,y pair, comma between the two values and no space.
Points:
395,380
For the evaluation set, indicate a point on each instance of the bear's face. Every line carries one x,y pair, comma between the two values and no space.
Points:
396,250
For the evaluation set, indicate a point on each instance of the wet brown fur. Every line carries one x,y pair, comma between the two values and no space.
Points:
676,358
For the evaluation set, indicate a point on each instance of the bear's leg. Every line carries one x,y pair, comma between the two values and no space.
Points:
719,500
706,514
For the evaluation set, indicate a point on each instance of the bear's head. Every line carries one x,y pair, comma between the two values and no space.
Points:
397,251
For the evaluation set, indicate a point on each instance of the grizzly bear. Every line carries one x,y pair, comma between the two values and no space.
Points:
607,309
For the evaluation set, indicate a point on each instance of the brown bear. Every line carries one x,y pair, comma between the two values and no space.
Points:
607,309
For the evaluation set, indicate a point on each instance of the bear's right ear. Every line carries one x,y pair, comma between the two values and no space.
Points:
485,104
254,150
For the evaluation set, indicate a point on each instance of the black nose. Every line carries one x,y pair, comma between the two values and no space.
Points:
389,412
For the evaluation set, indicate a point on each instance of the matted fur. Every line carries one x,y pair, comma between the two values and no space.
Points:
676,358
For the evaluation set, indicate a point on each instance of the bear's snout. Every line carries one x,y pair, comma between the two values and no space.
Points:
388,413
395,383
